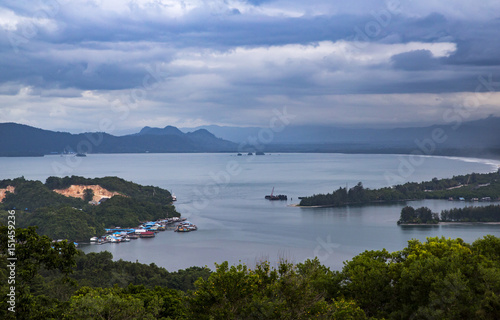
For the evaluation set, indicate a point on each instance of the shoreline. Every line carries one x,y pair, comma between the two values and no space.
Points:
381,202
475,158
447,223
354,204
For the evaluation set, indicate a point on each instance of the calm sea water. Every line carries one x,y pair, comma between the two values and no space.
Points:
223,194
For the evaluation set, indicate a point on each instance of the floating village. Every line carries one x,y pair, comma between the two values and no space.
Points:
145,230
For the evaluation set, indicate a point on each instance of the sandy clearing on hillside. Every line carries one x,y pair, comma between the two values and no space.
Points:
76,191
3,192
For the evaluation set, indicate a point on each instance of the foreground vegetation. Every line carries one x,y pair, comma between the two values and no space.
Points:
438,279
423,215
468,186
62,217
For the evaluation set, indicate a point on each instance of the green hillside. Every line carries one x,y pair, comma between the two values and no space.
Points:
62,217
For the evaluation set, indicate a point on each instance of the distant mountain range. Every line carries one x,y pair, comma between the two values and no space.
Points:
485,132
23,140
473,138
479,138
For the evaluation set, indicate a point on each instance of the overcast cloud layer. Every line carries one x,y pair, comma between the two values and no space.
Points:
116,66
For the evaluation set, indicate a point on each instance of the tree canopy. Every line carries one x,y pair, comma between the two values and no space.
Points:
436,279
423,215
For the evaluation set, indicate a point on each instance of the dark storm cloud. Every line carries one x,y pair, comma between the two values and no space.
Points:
414,60
70,67
478,44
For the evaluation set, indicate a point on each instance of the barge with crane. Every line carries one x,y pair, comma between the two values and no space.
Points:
272,196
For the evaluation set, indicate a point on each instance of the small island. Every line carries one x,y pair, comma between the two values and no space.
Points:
424,216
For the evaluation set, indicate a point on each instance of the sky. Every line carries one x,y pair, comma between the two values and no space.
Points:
117,66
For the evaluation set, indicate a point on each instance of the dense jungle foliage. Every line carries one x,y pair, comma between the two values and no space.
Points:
437,279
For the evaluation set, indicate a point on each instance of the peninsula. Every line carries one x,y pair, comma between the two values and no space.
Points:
474,186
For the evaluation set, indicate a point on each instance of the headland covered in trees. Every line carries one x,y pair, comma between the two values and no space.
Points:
480,186
61,211
437,279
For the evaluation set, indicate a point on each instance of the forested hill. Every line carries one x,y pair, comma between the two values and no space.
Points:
22,140
468,186
63,213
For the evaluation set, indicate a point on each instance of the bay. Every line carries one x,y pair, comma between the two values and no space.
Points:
223,194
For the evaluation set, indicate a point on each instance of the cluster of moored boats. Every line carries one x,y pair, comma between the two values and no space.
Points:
145,230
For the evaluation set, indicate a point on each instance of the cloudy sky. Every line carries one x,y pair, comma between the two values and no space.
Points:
119,65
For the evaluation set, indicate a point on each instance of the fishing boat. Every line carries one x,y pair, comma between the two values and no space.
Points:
147,234
182,229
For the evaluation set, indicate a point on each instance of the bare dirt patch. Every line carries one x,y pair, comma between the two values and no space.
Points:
4,191
77,191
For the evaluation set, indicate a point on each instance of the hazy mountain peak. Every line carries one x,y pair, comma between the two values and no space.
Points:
202,132
168,130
